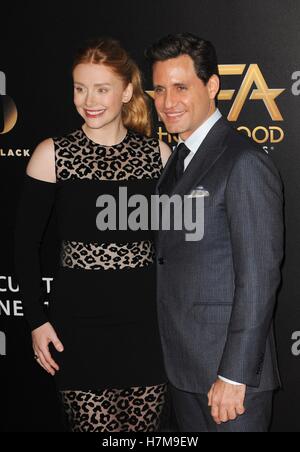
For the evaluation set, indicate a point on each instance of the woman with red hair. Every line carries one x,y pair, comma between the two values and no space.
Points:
100,337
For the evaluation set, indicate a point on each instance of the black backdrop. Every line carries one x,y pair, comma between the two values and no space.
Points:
38,40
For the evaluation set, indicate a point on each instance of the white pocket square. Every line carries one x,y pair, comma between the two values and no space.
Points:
198,192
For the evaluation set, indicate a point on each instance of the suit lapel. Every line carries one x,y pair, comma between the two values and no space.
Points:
166,181
208,153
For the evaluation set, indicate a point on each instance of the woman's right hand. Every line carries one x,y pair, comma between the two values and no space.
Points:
41,338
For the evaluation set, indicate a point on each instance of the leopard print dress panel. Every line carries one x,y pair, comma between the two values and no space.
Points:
137,157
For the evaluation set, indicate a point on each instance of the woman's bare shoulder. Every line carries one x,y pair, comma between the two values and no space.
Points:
42,162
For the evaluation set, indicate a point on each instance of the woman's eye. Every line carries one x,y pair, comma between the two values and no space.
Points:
78,89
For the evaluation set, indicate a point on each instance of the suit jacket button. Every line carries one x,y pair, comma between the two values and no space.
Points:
161,261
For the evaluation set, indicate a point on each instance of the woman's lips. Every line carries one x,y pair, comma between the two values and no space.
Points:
94,113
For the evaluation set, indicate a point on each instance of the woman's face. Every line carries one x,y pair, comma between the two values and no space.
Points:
99,94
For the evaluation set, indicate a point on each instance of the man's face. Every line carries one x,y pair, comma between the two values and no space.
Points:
182,100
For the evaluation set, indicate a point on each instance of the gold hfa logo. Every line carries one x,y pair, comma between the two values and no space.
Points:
9,109
262,92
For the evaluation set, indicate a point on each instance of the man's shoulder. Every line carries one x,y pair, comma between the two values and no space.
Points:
239,140
243,154
245,157
240,146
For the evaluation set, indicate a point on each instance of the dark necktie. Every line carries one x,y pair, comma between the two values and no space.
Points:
182,153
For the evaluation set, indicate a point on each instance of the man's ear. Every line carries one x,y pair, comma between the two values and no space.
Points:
128,93
213,86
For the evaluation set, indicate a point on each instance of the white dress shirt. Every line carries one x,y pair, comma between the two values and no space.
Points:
193,143
196,139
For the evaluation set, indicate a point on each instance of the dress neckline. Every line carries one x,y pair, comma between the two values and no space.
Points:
125,139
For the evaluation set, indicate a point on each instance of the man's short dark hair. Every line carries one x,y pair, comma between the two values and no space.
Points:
201,51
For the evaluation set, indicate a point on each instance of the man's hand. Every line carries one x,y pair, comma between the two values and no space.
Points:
226,401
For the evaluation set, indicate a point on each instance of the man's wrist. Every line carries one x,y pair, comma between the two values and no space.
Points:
231,382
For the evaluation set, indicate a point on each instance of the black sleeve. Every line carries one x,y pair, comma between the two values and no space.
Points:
33,213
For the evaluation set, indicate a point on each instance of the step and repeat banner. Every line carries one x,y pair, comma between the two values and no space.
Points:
258,47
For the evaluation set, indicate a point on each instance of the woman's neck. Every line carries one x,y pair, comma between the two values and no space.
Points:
109,135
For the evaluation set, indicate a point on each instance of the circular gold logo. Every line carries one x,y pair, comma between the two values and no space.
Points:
9,113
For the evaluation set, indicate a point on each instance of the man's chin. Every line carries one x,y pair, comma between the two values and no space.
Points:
174,129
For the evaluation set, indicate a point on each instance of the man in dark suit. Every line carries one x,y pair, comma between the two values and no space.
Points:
216,296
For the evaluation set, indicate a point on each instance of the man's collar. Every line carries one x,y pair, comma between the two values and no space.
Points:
196,139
